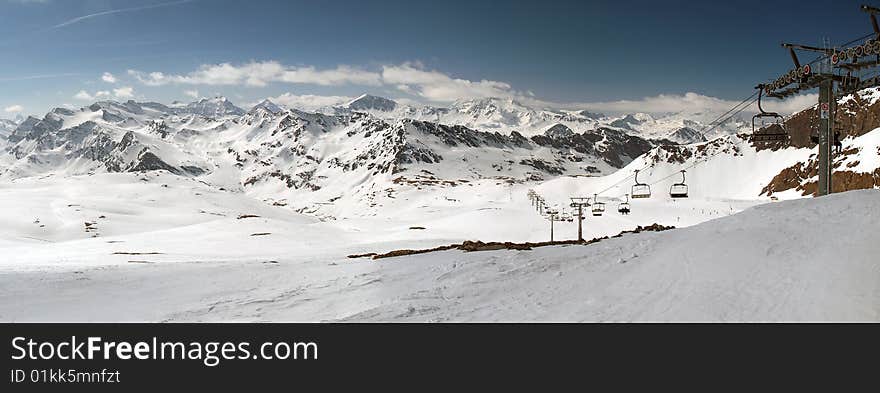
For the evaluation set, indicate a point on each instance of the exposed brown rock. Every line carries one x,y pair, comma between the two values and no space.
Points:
854,118
470,246
799,177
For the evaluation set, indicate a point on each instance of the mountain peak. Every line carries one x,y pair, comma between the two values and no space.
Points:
591,115
371,102
214,107
559,130
268,106
491,104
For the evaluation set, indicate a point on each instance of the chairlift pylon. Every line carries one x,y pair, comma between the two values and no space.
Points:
773,132
640,190
679,190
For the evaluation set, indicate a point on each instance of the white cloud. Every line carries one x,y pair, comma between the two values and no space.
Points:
192,93
308,102
338,76
83,95
124,92
692,103
258,74
14,109
790,105
108,77
412,78
662,103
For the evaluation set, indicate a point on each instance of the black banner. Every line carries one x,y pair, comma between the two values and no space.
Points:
112,357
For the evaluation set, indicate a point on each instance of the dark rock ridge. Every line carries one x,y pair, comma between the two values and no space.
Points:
476,245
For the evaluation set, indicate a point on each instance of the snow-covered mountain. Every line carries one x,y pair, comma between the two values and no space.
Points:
269,106
156,191
685,135
7,126
213,107
352,161
732,168
307,160
506,115
368,102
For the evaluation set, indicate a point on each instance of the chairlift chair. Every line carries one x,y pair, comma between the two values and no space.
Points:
598,207
623,208
640,190
767,132
679,190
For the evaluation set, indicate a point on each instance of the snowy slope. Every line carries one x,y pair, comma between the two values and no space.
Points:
729,168
769,263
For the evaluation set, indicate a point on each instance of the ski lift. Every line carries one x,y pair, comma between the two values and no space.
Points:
640,190
679,190
598,207
771,131
623,208
566,216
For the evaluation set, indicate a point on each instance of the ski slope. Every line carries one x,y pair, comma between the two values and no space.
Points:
796,260
107,219
153,246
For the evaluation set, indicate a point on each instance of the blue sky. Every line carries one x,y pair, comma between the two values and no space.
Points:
72,52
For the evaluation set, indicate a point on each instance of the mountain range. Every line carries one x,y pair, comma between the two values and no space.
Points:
506,115
302,158
346,159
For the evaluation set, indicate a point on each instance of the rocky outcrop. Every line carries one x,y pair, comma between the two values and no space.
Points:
802,178
856,115
559,130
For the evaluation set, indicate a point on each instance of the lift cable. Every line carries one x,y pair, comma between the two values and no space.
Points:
736,109
718,121
723,118
733,111
705,159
